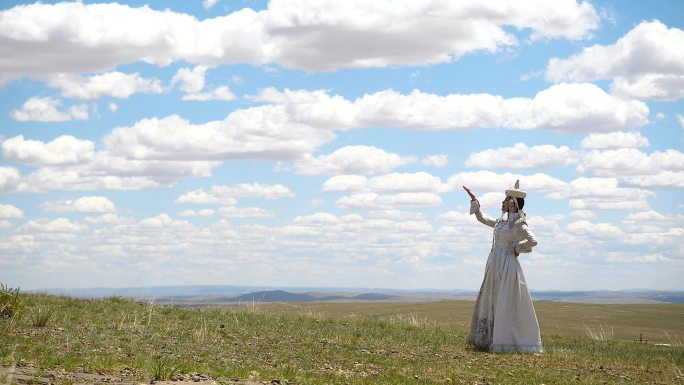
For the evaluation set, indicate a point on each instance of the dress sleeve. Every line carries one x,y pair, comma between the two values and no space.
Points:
475,209
528,240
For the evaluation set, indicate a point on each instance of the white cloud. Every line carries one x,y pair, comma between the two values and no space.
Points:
491,199
378,201
9,211
9,178
629,162
228,195
59,225
47,110
114,84
646,63
648,258
302,121
488,181
245,212
109,219
306,35
388,183
616,139
87,204
580,107
197,213
521,156
583,214
191,80
680,119
260,132
345,183
603,194
425,38
666,179
63,150
208,4
363,160
439,161
649,216
407,182
219,93
113,107
108,172
595,230
650,86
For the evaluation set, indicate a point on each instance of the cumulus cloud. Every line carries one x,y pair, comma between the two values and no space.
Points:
197,213
245,212
228,195
192,82
382,201
9,178
583,214
87,204
648,258
219,93
439,161
580,107
603,194
107,172
657,169
63,150
59,225
646,63
47,110
388,183
208,4
663,179
595,230
362,160
306,35
345,183
616,139
9,211
263,132
114,84
408,182
489,181
521,156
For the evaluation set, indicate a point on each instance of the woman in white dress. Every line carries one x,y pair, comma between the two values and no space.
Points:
504,319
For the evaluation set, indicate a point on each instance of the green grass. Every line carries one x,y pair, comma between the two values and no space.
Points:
378,343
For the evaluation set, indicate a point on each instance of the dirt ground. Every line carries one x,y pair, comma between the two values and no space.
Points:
27,374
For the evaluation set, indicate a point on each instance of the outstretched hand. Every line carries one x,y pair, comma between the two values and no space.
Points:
472,196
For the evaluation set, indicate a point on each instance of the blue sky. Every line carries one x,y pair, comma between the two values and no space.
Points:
301,143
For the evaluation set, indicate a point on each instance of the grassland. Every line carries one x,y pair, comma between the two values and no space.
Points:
359,343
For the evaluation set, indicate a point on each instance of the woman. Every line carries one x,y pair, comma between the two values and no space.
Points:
504,318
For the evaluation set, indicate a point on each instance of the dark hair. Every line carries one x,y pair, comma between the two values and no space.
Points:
521,203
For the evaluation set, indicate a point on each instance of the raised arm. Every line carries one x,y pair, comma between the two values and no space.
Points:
475,209
528,240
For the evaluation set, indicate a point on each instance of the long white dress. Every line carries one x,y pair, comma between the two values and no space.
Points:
504,319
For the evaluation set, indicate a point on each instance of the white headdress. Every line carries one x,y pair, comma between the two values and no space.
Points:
516,193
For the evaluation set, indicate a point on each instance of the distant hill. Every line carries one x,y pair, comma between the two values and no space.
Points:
223,294
284,296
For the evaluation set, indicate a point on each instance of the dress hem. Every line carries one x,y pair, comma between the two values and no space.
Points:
514,348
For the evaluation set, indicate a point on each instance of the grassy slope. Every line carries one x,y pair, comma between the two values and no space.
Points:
660,323
377,344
